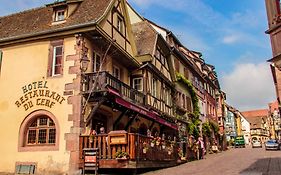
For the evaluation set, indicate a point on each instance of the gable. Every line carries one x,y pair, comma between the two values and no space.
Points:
116,25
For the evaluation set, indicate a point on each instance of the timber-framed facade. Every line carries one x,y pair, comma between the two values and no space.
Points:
93,74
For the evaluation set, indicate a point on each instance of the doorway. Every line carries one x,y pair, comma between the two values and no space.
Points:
99,121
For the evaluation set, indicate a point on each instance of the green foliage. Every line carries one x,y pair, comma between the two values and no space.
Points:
206,129
192,92
121,154
193,125
209,127
214,126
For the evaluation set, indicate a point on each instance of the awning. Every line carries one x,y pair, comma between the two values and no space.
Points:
149,114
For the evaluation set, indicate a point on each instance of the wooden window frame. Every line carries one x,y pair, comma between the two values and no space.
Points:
52,58
159,55
120,24
154,87
24,128
57,16
95,56
167,96
141,83
39,127
114,72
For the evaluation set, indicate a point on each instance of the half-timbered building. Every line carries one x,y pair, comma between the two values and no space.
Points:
76,78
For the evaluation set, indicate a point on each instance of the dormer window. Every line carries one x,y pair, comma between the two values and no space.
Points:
59,15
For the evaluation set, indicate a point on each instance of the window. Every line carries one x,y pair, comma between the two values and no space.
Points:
188,104
55,66
25,169
167,96
1,56
41,131
96,62
57,61
137,84
59,15
154,87
120,24
116,72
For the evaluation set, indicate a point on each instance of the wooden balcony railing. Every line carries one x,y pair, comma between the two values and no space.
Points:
100,81
138,147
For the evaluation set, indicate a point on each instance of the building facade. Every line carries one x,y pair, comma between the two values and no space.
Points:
275,121
259,123
274,31
95,74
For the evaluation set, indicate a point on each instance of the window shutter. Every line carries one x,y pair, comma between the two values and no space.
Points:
177,65
50,61
186,73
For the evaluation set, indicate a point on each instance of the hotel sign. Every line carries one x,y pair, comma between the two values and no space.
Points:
37,93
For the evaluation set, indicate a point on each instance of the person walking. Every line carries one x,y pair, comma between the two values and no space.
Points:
201,147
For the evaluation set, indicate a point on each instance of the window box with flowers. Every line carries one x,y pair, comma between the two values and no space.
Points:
122,155
181,155
153,142
145,147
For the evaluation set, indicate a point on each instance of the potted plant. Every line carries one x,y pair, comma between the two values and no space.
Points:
92,135
180,153
144,147
158,141
170,150
163,145
152,143
121,155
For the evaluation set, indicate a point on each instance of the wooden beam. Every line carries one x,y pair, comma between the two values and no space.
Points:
94,110
150,127
118,119
130,122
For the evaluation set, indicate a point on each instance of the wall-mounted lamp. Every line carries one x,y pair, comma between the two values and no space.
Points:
84,62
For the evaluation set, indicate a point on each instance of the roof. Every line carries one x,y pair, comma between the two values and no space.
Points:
145,37
255,113
39,20
255,122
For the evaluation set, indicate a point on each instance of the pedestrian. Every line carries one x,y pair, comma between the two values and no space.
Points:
201,147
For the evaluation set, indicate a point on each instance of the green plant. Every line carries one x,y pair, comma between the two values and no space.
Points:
180,153
206,129
193,126
145,146
192,92
214,126
121,154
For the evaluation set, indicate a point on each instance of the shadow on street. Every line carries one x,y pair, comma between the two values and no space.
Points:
266,166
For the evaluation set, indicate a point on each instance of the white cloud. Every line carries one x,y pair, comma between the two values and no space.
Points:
230,39
249,86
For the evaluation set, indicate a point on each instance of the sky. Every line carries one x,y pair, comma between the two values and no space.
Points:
230,35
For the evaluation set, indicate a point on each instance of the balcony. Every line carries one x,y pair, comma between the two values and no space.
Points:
103,81
140,150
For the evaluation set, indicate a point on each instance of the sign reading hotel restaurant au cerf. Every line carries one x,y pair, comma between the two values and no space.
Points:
37,93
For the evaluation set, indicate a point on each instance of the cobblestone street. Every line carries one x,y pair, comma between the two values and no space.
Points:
244,161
